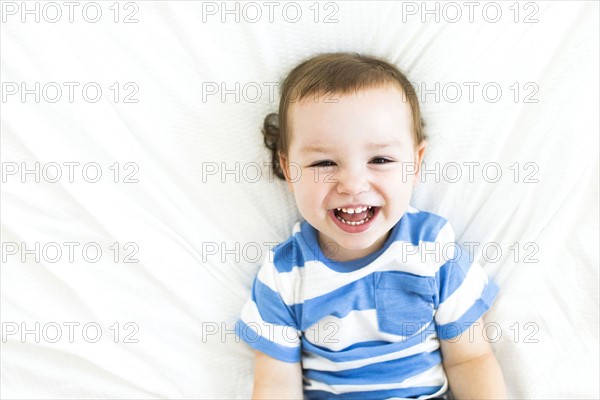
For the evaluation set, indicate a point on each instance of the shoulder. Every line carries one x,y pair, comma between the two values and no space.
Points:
288,254
283,269
418,226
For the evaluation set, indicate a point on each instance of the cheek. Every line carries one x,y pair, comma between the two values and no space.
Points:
405,194
302,193
311,182
400,192
310,195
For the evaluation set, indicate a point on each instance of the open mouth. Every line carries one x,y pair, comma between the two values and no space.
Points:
355,216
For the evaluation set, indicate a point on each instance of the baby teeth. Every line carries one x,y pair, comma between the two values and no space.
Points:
353,223
355,210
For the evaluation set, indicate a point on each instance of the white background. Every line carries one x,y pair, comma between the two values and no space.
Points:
184,217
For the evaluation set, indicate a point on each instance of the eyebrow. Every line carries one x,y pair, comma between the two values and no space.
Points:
370,146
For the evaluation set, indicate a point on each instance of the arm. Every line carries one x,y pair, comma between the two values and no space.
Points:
472,369
275,379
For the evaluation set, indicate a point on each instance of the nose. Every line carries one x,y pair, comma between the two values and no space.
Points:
352,181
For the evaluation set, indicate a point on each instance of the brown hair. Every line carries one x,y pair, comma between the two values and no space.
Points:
334,73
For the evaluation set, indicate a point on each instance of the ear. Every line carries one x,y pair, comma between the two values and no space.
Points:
419,153
285,166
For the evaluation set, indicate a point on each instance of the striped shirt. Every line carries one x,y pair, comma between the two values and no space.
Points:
367,328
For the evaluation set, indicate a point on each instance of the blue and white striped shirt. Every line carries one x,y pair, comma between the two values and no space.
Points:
367,328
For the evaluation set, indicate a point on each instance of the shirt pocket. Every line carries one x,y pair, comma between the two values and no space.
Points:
404,302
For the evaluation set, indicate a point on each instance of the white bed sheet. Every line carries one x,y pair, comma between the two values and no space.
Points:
182,298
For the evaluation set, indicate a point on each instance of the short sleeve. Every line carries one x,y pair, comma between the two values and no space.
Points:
465,294
267,323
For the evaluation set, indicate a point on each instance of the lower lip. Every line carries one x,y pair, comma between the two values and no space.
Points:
353,228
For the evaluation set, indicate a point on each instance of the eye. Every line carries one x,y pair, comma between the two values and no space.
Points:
381,160
323,164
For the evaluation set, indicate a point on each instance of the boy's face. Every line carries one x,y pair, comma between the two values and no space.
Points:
354,153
